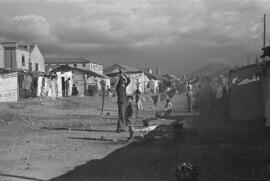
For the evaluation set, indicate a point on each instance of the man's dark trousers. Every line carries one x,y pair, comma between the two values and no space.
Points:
121,112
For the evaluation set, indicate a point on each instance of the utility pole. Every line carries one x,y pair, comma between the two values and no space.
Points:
264,30
103,95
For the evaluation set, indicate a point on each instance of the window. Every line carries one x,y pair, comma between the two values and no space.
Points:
75,65
23,60
36,67
30,66
83,65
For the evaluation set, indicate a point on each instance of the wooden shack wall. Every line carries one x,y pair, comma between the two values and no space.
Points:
266,94
246,100
9,89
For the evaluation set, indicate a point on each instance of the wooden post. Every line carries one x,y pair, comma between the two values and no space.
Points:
103,95
137,86
264,30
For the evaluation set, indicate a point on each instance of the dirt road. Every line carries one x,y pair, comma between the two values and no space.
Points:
41,140
68,140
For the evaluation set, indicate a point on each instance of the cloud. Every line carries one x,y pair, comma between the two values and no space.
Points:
155,22
184,32
26,27
32,25
164,32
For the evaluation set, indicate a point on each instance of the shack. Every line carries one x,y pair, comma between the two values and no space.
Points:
84,80
246,93
20,84
264,73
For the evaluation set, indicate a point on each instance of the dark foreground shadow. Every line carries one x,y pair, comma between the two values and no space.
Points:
146,160
220,150
19,177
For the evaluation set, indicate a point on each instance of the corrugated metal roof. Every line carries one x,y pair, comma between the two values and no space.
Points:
115,68
65,68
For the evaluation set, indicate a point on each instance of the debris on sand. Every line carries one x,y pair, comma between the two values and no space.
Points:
147,129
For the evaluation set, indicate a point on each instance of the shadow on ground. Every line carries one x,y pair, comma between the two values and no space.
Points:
19,177
221,149
145,160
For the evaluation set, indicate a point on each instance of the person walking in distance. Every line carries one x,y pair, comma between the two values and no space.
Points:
122,101
138,98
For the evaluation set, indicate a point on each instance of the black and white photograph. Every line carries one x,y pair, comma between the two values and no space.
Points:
134,90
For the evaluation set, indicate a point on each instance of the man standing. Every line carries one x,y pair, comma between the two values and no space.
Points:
190,96
122,101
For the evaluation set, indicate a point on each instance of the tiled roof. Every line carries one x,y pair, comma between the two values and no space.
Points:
170,76
129,68
65,60
68,61
114,69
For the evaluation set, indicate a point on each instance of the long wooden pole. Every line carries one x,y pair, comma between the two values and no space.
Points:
103,95
264,30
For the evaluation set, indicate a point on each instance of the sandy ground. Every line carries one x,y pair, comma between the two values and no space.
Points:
44,139
67,140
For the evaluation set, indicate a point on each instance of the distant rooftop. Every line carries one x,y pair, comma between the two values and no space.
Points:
113,69
66,68
19,45
68,61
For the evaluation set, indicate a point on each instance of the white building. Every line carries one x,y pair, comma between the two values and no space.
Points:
18,55
2,64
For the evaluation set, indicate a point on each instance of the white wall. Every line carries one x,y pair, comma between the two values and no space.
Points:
80,66
135,78
19,54
2,64
37,57
96,68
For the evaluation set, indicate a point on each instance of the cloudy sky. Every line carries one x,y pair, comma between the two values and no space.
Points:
178,35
